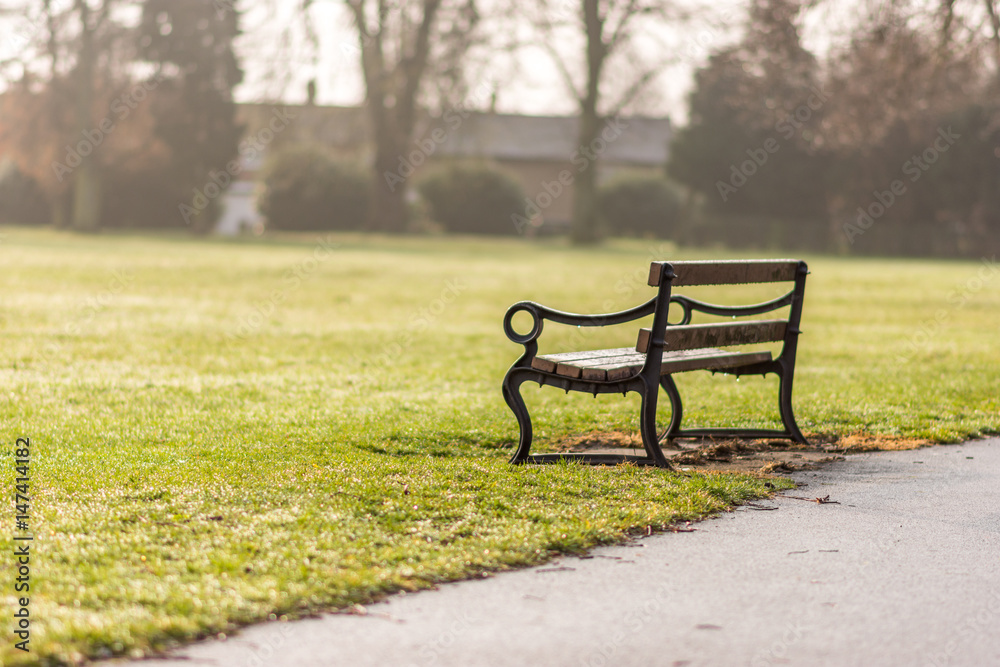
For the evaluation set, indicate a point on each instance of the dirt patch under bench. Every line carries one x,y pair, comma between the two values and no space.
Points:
766,456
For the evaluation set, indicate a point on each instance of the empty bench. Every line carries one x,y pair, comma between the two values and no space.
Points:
666,348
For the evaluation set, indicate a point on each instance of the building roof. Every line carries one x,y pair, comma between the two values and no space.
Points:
336,127
641,141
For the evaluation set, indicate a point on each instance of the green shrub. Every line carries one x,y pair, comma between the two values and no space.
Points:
306,189
640,205
21,198
472,198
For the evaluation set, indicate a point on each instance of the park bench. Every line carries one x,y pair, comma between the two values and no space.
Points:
666,348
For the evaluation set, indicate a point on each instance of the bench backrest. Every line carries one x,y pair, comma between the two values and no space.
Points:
685,336
726,272
723,334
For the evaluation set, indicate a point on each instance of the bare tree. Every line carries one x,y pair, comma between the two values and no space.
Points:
610,29
401,45
87,183
164,65
66,49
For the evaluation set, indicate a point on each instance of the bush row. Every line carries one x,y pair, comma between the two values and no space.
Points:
306,189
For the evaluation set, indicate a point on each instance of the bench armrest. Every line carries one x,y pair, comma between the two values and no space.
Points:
540,313
690,305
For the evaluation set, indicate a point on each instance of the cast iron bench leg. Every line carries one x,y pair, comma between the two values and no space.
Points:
676,408
785,405
512,394
647,424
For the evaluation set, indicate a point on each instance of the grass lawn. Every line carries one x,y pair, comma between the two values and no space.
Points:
227,431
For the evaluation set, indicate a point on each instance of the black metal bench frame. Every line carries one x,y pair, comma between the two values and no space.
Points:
647,381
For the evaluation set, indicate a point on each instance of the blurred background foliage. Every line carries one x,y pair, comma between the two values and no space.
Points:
305,189
120,113
472,198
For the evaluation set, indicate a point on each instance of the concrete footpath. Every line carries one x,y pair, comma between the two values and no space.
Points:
905,570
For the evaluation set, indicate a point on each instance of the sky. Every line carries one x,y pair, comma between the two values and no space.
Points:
279,59
530,86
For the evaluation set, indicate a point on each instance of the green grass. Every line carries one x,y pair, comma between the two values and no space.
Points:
226,431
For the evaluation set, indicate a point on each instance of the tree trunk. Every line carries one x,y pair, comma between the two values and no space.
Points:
389,212
585,228
388,207
991,10
390,95
586,221
87,197
86,209
60,219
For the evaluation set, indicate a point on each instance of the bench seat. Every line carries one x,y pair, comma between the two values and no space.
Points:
624,362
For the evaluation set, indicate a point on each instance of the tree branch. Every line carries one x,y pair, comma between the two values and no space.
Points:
637,87
619,30
563,70
995,25
415,65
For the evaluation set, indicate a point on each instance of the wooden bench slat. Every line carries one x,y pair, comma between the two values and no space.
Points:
733,272
612,361
548,362
678,362
722,334
611,365
568,370
708,362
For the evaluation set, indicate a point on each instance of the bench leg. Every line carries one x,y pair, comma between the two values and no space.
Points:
512,394
647,424
676,409
785,406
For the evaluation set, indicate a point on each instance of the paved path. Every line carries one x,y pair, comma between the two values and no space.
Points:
904,571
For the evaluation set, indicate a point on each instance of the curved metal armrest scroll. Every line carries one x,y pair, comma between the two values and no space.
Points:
690,305
536,318
540,313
